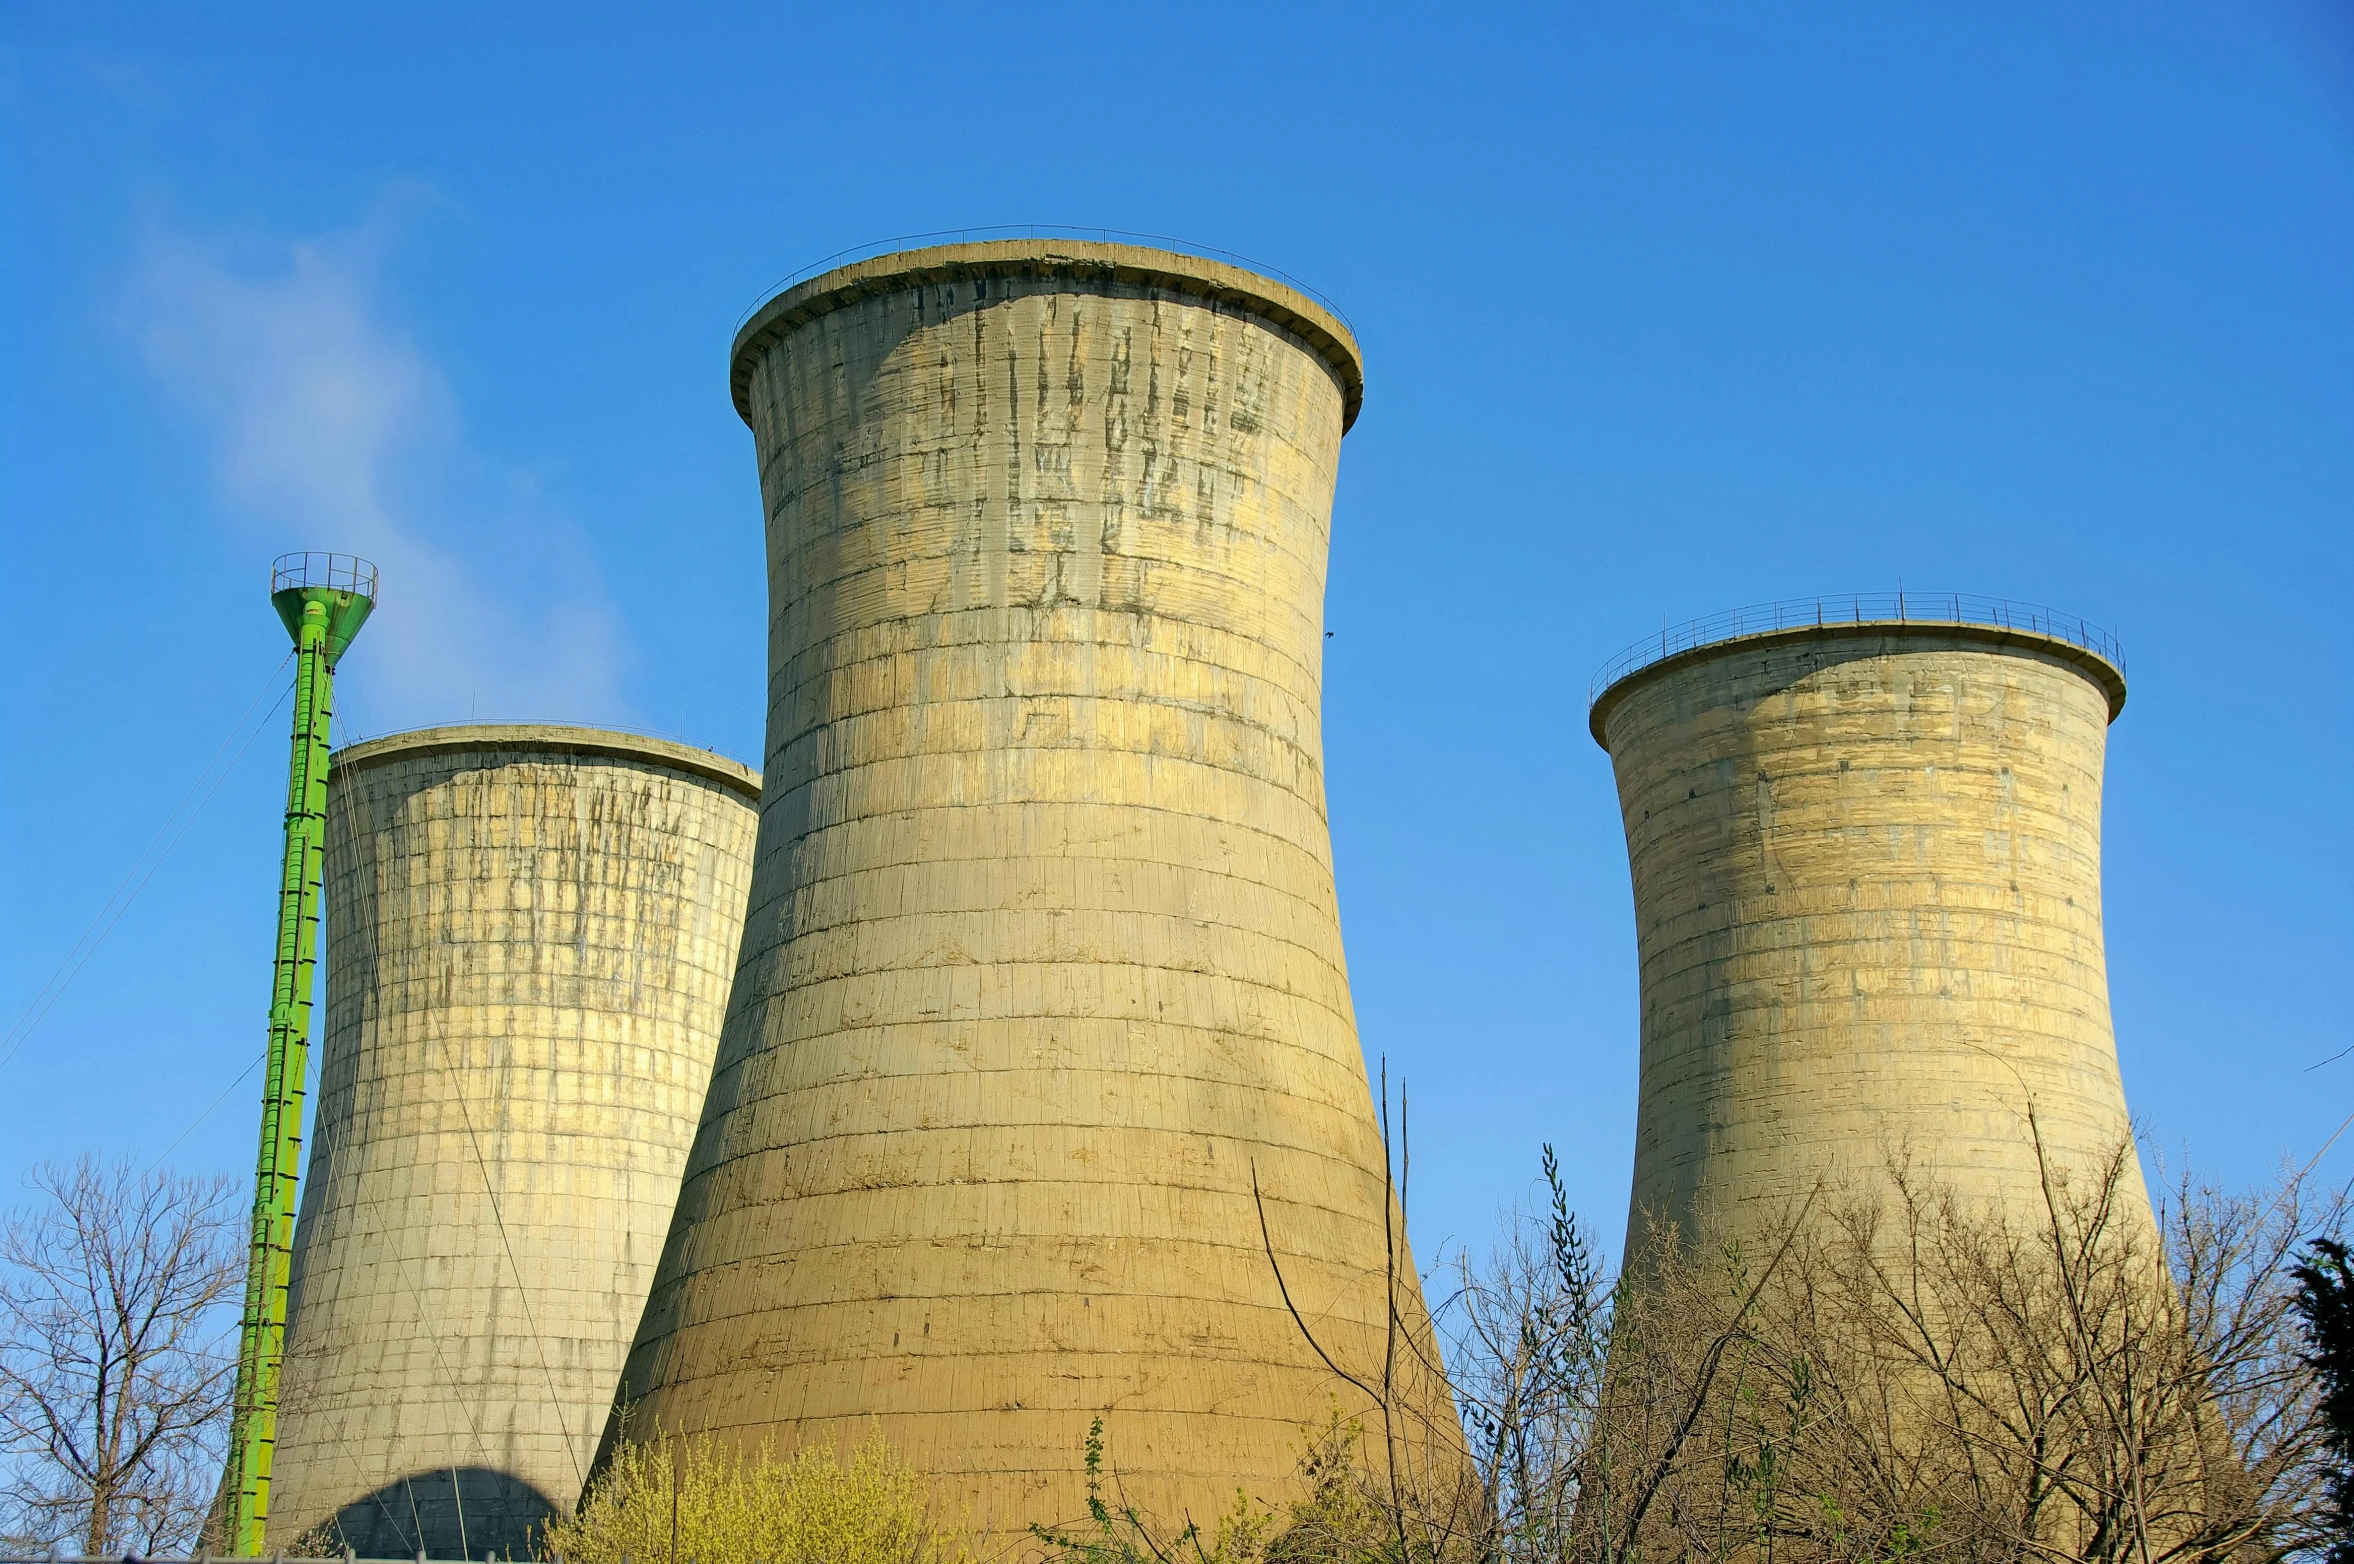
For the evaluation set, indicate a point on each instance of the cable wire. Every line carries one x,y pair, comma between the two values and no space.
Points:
242,1077
449,1376
522,1287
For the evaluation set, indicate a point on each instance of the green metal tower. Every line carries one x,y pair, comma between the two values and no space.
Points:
324,599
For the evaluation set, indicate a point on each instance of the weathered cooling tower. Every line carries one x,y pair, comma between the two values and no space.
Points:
530,936
1043,965
1867,877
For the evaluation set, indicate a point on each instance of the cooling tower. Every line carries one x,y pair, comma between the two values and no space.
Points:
1867,877
1043,965
531,931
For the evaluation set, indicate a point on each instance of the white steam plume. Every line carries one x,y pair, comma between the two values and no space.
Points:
334,430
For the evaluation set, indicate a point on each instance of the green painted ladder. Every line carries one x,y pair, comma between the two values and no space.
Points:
324,599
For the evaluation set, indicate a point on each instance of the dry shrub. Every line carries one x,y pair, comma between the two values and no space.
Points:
1892,1374
1344,1510
1343,1514
678,1500
1905,1376
320,1542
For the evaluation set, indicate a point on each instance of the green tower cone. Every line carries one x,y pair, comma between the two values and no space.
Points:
324,599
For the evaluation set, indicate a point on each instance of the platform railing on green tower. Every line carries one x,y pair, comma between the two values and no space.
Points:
323,599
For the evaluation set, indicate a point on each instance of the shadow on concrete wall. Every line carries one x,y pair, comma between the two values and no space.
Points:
448,1513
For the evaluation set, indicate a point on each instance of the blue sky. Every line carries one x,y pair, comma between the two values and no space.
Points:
1666,309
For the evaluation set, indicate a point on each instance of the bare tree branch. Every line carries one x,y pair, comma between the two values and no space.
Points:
114,1380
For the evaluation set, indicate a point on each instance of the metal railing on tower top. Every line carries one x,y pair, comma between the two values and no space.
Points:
1854,608
335,572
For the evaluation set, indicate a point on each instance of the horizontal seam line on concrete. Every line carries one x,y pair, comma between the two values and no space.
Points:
812,643
1316,907
1094,1013
1214,641
1254,935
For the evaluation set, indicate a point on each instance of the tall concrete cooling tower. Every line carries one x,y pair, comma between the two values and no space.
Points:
530,936
1043,963
1867,873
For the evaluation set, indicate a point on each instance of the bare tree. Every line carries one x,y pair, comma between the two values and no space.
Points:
114,1370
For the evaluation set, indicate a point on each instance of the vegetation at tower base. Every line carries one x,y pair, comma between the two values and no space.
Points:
323,601
1338,1512
1902,1374
115,1375
680,1497
1899,1372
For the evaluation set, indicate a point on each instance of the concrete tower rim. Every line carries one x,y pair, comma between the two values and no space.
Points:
554,738
1217,282
2104,673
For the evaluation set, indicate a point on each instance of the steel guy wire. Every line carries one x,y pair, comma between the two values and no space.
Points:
449,1377
522,1287
242,1076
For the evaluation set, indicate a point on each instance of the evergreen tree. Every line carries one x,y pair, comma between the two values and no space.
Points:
2325,1297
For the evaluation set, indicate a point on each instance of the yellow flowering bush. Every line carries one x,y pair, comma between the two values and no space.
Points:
674,1500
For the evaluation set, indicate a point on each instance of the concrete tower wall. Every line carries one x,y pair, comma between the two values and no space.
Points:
531,932
1044,956
1867,875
